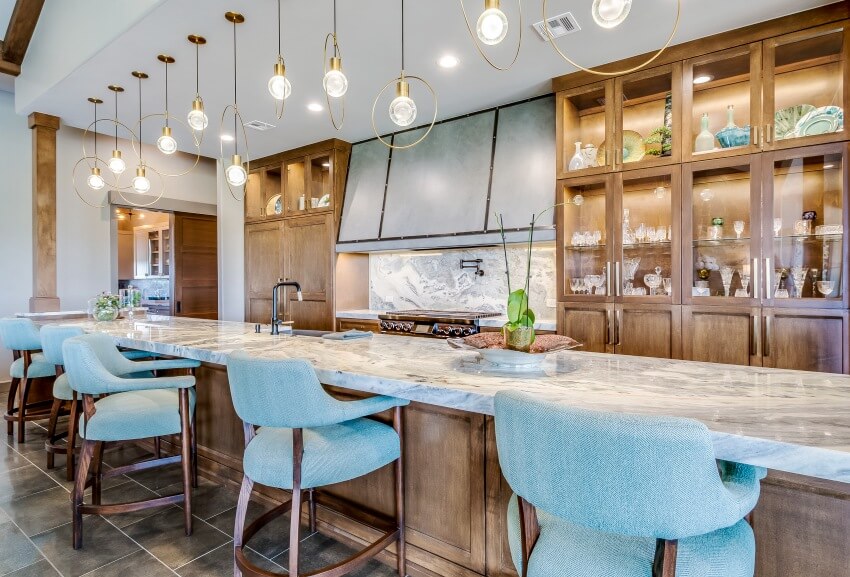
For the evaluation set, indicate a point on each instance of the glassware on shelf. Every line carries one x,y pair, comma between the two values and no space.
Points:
705,139
825,287
651,234
630,266
777,226
782,293
777,280
593,282
640,233
798,275
745,284
668,286
653,280
628,233
739,228
732,135
578,161
726,274
715,232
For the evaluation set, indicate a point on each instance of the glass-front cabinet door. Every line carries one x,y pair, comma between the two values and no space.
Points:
296,197
647,123
254,196
585,130
722,225
646,250
321,182
805,246
804,87
722,103
585,245
273,196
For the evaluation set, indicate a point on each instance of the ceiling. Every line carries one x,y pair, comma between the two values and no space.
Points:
369,36
7,83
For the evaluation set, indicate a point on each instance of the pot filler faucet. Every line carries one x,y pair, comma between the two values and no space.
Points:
276,322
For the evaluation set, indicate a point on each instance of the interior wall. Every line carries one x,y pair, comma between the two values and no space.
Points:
231,253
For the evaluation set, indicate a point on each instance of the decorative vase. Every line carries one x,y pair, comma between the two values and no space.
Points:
590,154
705,139
105,313
519,339
732,135
578,162
667,139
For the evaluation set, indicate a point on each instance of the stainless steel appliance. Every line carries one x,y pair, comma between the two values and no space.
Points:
434,324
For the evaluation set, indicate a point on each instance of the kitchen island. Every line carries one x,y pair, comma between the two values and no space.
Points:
789,421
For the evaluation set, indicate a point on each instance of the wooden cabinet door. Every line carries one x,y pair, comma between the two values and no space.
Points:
254,200
308,260
126,264
590,324
806,340
648,331
722,335
195,275
263,268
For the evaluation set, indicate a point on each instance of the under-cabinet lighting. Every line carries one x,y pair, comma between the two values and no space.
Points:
703,79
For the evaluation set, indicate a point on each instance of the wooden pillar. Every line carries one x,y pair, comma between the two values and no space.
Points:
44,127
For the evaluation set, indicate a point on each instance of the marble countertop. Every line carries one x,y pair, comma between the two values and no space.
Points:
791,421
371,314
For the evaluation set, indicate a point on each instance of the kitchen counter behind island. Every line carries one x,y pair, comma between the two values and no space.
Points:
786,420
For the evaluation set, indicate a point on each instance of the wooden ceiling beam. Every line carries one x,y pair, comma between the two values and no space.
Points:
18,35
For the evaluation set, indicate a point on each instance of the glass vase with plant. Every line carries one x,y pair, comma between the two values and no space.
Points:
106,307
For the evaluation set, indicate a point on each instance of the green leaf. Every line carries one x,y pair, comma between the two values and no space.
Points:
510,327
517,305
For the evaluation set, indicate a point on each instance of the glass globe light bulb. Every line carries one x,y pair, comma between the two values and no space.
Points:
166,143
235,173
141,183
403,110
335,83
116,163
197,118
95,180
279,86
610,13
492,26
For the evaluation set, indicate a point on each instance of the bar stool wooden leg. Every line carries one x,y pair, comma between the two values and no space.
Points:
51,432
23,397
241,513
311,500
157,448
186,459
401,553
86,452
97,473
194,454
10,406
73,419
295,521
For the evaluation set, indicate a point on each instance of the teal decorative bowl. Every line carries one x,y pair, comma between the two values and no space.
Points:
730,137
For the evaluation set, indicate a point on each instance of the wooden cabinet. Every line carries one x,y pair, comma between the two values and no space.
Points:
729,335
141,254
263,198
589,323
343,325
807,340
647,330
263,267
152,251
308,259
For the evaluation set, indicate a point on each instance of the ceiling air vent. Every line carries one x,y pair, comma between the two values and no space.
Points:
559,25
259,125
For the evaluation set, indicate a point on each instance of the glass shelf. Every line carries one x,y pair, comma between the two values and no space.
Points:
721,241
585,248
643,245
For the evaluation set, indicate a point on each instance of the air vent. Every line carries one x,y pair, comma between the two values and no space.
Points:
559,25
259,125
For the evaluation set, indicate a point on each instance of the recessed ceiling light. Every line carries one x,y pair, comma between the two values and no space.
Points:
315,107
226,138
703,78
448,61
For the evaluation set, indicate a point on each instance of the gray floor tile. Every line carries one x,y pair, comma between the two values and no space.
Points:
271,540
33,441
219,563
208,500
320,551
40,569
102,544
17,551
40,512
159,478
23,481
138,564
125,454
126,493
10,458
163,535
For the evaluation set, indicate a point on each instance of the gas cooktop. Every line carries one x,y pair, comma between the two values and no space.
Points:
429,323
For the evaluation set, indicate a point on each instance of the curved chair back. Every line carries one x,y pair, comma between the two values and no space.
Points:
92,362
619,473
280,394
19,335
52,338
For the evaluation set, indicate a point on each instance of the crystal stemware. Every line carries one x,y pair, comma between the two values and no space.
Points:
651,234
777,226
825,287
630,266
726,274
745,283
653,280
592,281
739,228
573,285
668,286
798,274
640,233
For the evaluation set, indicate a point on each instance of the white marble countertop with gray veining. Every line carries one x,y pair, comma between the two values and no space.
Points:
370,314
791,421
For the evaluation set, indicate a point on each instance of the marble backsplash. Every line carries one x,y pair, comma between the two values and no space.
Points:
434,280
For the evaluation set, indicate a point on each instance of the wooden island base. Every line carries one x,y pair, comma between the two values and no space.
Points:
457,497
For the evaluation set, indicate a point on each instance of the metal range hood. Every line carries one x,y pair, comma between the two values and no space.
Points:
446,191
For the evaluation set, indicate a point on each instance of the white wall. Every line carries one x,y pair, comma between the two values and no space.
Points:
231,254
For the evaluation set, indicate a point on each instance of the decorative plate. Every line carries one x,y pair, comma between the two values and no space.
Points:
824,120
600,155
278,206
633,147
786,120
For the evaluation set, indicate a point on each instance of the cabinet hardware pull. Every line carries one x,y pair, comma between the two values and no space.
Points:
755,279
768,279
755,337
768,133
768,336
617,277
608,278
756,135
619,327
608,333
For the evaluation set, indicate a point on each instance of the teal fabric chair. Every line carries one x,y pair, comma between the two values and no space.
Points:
129,409
602,495
308,439
22,338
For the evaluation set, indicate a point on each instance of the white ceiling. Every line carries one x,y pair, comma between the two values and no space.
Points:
6,7
370,39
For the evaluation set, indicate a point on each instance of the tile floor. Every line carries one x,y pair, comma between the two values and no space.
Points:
35,525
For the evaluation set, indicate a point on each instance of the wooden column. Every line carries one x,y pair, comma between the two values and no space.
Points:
44,129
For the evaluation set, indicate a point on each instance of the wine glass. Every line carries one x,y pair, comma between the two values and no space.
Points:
590,283
651,234
726,274
597,237
777,226
738,226
798,274
825,287
745,283
668,286
573,286
640,233
653,280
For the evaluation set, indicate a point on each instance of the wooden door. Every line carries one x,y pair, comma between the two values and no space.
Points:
646,330
126,263
195,270
730,335
263,268
308,259
589,323
806,340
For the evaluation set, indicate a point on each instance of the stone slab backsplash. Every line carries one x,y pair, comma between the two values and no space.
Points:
434,280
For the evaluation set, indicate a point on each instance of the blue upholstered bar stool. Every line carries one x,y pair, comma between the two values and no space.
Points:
22,338
308,439
134,408
618,495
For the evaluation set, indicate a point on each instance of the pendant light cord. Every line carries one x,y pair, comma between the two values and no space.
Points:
402,38
336,54
166,94
235,100
140,120
95,133
116,120
279,50
197,70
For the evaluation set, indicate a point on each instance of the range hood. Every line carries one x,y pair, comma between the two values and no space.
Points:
445,192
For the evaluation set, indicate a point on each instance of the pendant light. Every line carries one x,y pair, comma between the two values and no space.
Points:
95,180
492,28
279,85
610,14
197,118
235,174
141,183
166,143
116,164
402,109
335,82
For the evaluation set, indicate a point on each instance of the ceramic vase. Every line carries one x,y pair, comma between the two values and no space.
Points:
578,161
705,139
732,135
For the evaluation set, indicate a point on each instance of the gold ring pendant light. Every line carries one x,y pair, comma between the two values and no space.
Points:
235,173
94,180
652,59
141,184
334,83
403,108
279,86
491,28
197,117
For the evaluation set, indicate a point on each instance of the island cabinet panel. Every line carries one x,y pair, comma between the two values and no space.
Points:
263,267
309,250
648,331
589,324
499,561
806,340
726,335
